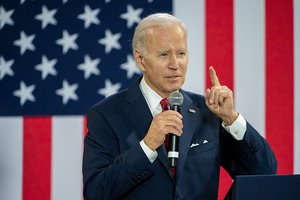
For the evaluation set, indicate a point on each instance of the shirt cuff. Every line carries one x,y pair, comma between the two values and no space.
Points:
238,128
152,155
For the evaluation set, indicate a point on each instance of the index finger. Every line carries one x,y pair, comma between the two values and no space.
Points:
172,112
213,77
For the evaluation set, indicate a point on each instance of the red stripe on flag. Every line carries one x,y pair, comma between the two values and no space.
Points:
85,129
37,158
219,40
219,54
280,82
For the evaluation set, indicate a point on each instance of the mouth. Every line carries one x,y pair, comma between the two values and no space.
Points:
173,78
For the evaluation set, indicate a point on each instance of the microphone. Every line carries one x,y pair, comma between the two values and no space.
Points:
176,100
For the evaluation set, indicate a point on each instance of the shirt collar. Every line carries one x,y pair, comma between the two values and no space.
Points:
152,98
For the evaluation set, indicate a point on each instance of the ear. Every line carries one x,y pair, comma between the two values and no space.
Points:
139,59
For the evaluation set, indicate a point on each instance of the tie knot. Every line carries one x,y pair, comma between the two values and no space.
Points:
165,104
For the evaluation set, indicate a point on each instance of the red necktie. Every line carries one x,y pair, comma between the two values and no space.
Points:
166,106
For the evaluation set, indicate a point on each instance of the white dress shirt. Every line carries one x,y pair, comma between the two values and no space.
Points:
237,129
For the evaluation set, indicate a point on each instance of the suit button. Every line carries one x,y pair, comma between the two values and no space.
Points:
254,147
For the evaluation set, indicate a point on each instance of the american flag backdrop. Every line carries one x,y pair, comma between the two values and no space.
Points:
57,58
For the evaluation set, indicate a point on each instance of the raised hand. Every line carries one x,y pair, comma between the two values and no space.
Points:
219,99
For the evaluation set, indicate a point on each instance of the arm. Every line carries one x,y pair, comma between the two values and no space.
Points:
108,173
247,154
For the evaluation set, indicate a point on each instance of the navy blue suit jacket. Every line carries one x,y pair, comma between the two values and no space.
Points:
115,166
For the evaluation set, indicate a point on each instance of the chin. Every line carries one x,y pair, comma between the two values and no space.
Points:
172,89
172,86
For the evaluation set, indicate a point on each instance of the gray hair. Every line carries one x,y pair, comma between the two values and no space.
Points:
154,20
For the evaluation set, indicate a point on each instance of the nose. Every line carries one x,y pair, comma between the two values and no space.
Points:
174,62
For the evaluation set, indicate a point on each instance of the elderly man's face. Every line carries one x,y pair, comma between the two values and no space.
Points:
165,61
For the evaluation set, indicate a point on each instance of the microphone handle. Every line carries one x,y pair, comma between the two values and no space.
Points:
173,146
173,153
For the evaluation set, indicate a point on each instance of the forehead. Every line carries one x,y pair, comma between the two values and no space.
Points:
169,35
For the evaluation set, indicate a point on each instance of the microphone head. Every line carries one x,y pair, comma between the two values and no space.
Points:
175,99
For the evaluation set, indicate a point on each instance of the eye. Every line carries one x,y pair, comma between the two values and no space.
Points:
181,53
163,54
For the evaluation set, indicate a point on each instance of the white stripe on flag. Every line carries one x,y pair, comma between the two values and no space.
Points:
195,27
11,157
297,86
249,61
67,136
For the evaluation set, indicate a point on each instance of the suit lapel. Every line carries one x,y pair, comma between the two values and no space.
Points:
137,110
190,115
163,158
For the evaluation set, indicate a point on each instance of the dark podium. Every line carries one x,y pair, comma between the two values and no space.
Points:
265,187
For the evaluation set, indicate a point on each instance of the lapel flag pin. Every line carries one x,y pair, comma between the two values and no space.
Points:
192,110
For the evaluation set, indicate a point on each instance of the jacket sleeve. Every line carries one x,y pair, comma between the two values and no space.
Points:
107,173
250,156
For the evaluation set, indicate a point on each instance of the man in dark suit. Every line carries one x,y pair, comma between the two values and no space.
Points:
124,155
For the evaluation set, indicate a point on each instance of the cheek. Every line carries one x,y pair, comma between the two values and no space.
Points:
184,67
157,69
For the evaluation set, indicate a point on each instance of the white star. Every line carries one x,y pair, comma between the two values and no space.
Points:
25,42
47,17
25,93
47,67
109,88
67,92
89,16
107,1
65,1
5,17
130,67
22,1
5,67
68,41
89,66
150,1
110,41
132,15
